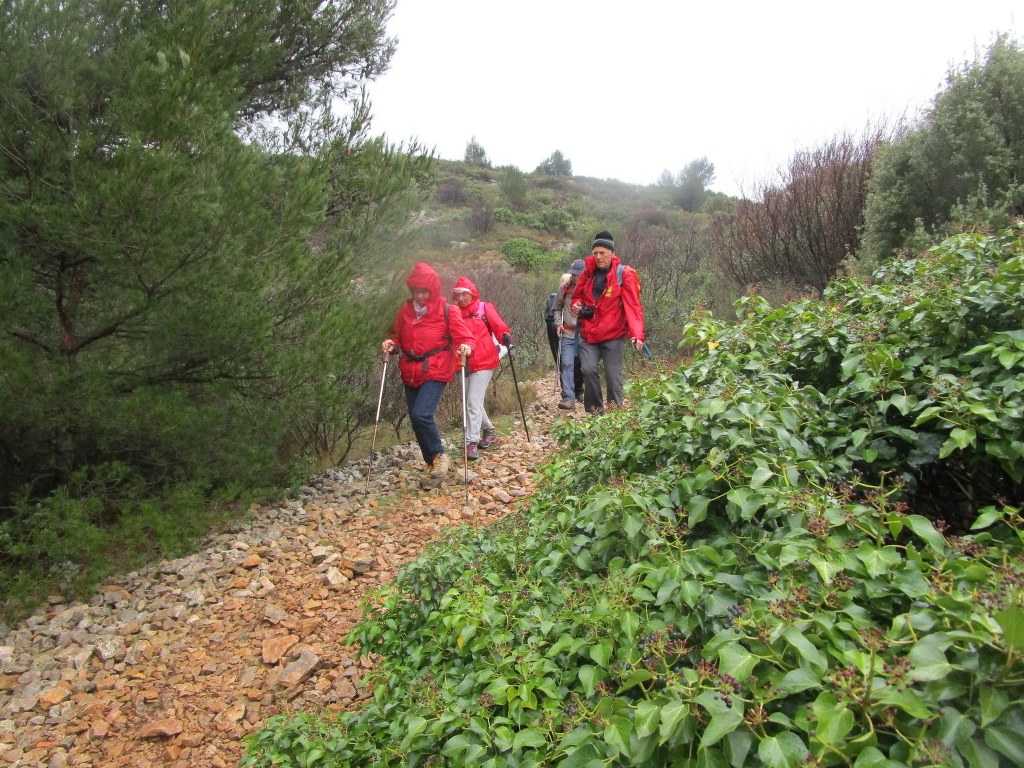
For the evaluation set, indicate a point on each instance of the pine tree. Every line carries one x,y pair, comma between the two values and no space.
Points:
182,231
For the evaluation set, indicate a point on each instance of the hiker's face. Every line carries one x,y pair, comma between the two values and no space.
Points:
602,257
462,298
421,295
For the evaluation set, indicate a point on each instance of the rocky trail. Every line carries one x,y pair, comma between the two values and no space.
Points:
174,665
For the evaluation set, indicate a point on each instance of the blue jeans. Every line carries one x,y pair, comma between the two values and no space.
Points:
570,367
422,402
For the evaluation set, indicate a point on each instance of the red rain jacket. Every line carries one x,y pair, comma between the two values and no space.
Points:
618,309
427,344
477,316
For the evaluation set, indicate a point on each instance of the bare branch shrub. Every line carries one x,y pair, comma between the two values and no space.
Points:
668,250
801,231
480,218
451,192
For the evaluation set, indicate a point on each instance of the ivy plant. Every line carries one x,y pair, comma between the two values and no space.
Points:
802,548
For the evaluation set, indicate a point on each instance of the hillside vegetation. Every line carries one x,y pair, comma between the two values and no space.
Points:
802,548
200,252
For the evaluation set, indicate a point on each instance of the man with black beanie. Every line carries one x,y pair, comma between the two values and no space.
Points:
607,304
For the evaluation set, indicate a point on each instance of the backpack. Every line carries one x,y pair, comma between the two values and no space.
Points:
619,272
549,308
482,315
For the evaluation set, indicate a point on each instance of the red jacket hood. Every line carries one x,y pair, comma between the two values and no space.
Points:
465,282
424,276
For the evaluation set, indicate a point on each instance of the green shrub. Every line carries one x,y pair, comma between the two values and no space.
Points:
745,568
523,252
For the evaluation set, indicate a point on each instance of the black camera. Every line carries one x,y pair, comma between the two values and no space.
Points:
586,312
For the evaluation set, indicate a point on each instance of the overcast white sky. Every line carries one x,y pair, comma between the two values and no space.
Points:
629,88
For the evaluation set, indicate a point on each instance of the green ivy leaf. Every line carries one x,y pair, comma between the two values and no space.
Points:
601,652
1006,742
805,648
993,703
870,757
648,717
878,561
696,510
827,569
414,726
834,720
721,724
1011,621
617,734
672,714
923,527
986,517
782,751
799,679
634,679
979,755
907,700
929,658
528,737
737,661
761,476
590,676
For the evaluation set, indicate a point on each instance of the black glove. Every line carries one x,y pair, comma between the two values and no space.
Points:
506,339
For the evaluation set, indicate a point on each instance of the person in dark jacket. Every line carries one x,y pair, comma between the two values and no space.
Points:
428,335
485,325
607,302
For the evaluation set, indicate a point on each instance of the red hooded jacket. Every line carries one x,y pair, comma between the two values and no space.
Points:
427,344
618,311
477,315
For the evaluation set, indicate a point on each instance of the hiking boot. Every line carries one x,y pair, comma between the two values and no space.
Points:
487,439
440,465
567,405
471,453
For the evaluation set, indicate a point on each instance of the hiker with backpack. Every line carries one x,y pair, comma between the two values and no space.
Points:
428,336
570,373
486,326
606,301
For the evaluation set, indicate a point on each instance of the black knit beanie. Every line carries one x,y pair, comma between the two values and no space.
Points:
604,239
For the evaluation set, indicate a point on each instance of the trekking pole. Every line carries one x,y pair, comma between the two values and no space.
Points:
558,363
515,381
376,421
465,429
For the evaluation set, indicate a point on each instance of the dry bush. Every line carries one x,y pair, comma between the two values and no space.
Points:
804,228
480,218
450,192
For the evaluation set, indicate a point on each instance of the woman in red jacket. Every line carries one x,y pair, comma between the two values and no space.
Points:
482,320
427,335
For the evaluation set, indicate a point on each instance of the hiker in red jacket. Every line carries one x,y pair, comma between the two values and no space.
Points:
427,335
486,326
607,305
